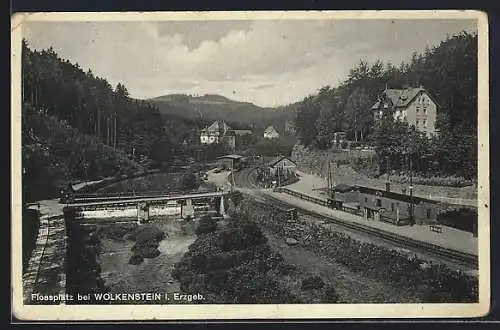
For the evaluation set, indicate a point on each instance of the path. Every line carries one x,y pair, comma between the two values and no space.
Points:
45,273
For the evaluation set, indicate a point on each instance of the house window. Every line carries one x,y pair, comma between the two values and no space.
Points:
418,108
366,200
392,207
428,213
417,122
425,123
425,111
379,202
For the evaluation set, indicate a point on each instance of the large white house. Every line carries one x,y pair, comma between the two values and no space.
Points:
214,132
219,132
414,106
271,133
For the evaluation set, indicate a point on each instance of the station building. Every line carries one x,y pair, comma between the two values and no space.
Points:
383,205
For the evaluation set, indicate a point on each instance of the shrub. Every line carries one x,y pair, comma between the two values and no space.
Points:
206,225
249,234
189,181
147,233
136,259
330,295
312,282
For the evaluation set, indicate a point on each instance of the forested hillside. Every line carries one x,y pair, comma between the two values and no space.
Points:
207,108
448,72
76,126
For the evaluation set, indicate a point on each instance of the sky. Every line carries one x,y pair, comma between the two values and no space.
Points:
266,62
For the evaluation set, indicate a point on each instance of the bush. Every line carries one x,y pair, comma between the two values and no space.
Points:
146,233
206,225
330,295
189,181
136,259
312,282
249,234
117,231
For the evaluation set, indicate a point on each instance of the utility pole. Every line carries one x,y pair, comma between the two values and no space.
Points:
387,184
232,175
114,137
411,194
279,176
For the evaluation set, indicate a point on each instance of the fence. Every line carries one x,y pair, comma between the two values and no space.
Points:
303,196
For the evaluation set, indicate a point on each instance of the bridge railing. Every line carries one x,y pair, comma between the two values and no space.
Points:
152,193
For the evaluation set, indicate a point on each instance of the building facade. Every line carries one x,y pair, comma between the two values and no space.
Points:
414,106
285,165
214,132
382,205
219,132
271,133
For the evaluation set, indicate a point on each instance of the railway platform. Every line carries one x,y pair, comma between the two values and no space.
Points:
450,238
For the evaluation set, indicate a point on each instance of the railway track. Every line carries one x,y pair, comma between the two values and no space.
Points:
458,257
462,258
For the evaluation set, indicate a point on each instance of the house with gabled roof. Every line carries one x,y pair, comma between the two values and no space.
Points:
414,106
282,163
218,132
271,133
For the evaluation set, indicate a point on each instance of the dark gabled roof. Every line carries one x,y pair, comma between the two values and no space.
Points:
278,159
270,129
401,98
394,195
218,125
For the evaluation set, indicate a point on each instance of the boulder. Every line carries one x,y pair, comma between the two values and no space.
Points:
291,241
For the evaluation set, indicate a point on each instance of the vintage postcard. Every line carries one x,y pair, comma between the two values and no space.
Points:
250,165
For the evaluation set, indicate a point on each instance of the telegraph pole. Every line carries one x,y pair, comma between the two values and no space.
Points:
232,175
387,184
411,194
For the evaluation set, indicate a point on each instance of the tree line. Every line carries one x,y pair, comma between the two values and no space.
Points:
448,72
88,103
76,126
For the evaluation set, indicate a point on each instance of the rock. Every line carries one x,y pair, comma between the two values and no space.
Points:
291,241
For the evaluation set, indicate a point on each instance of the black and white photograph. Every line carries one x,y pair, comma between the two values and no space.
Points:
254,164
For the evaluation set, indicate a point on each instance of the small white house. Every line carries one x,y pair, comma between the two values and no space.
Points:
271,133
284,164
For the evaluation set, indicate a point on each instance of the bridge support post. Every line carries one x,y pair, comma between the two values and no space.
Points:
222,209
142,212
187,209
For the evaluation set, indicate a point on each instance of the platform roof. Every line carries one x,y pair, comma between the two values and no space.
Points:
232,156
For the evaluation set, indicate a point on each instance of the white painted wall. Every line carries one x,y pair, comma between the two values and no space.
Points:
168,209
